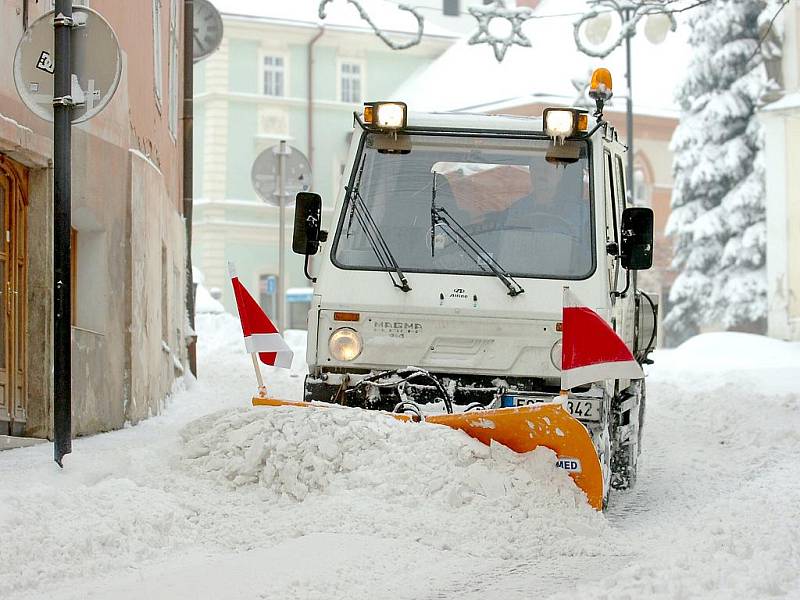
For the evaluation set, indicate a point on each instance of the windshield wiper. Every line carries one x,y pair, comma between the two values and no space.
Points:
436,220
457,233
377,242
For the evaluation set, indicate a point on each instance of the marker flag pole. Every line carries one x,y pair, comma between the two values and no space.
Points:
262,390
261,337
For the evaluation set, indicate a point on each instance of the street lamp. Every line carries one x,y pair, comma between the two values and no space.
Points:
594,27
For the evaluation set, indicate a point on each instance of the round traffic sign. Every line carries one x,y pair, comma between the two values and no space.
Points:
96,65
265,175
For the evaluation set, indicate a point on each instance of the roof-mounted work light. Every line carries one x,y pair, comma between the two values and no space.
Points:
561,123
386,115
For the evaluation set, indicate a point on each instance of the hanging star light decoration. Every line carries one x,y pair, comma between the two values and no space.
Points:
581,85
515,16
630,14
386,40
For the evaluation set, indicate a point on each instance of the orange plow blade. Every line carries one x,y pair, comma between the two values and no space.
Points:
521,429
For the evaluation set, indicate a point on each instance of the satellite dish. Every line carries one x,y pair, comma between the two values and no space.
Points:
96,65
265,178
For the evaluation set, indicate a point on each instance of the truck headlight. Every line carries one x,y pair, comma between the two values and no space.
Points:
345,344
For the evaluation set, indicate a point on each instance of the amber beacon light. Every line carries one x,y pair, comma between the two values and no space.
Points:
601,85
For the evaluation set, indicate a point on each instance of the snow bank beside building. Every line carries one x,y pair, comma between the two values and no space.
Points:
206,303
743,362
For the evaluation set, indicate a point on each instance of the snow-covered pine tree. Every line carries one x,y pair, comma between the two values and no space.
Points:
718,220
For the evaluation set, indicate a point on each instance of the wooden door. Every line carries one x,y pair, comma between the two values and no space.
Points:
13,294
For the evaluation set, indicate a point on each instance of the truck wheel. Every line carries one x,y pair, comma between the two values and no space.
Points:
627,418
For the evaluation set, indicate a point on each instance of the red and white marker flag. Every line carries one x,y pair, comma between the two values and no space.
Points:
590,349
260,334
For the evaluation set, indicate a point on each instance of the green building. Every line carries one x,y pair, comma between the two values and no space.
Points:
283,74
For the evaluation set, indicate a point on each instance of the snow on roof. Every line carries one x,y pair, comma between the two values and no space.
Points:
470,78
465,120
787,102
339,15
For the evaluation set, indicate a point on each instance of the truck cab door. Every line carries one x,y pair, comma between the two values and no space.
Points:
625,306
622,313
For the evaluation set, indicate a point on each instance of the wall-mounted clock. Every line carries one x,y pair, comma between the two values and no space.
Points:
207,29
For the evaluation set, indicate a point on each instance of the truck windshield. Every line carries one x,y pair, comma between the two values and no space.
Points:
531,215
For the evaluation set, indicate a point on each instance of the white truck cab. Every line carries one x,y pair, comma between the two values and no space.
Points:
440,284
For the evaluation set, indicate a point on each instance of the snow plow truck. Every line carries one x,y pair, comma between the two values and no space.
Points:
439,291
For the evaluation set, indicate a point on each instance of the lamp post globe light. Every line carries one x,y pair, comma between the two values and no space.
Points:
592,38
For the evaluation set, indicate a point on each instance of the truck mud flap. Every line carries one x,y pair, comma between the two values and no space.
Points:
521,429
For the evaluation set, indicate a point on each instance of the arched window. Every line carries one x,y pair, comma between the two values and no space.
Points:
642,181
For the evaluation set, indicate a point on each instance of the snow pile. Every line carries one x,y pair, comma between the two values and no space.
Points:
205,303
219,333
356,463
732,351
744,361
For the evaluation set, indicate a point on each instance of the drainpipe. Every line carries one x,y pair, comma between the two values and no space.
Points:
188,193
310,108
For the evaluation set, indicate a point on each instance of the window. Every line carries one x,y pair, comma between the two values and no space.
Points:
73,276
451,8
350,82
164,295
641,188
74,3
620,178
89,297
157,51
174,57
268,294
274,76
611,214
177,303
529,216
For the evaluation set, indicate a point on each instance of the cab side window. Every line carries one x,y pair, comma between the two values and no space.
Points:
611,194
619,178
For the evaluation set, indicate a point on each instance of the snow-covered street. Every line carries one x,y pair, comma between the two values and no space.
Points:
214,499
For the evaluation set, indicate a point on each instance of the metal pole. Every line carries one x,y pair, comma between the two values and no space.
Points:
62,182
628,75
310,86
188,140
282,152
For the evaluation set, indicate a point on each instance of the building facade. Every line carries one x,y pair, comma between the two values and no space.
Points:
282,74
128,238
781,120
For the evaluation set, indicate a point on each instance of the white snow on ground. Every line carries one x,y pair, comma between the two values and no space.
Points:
206,303
215,499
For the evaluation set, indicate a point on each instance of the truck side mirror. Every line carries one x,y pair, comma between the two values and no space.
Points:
307,223
636,249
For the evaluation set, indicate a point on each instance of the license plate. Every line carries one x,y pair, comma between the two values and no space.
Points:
585,409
